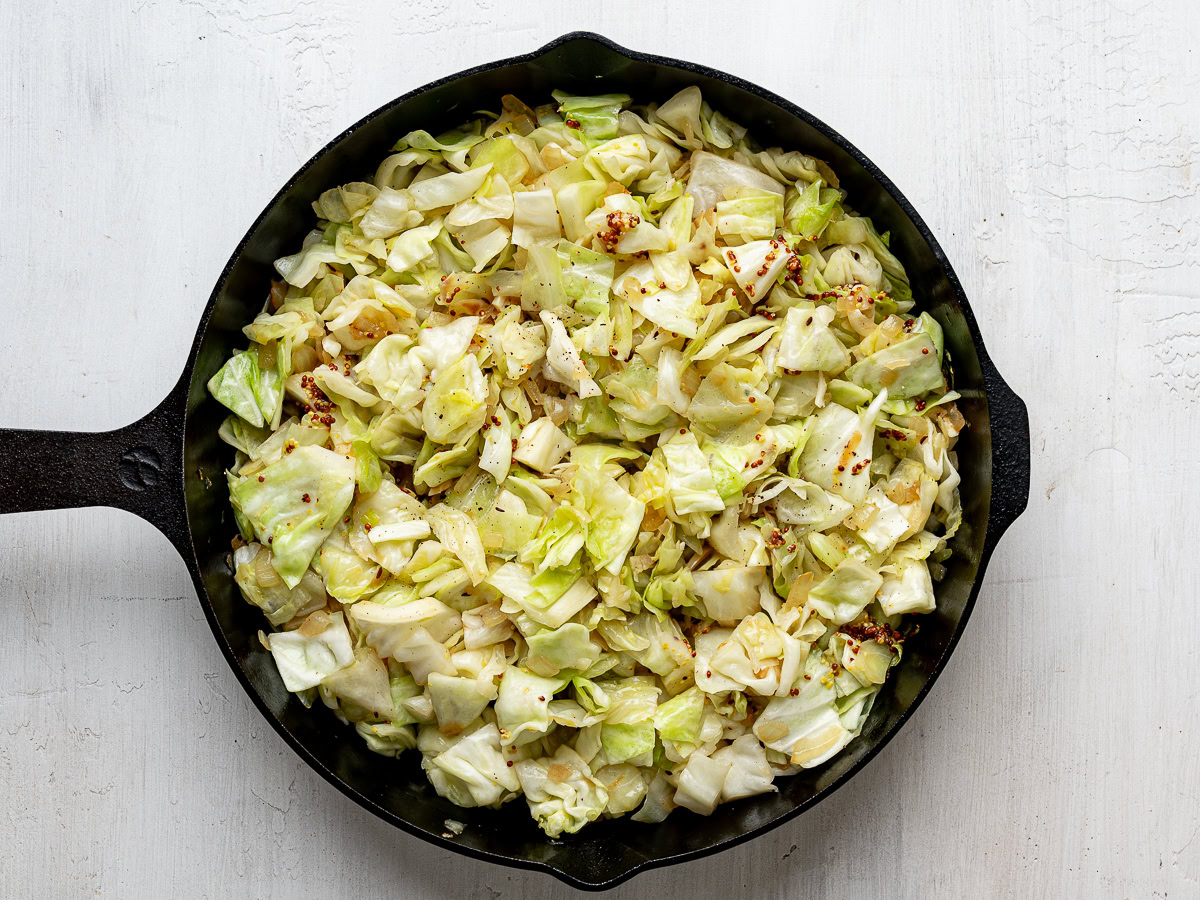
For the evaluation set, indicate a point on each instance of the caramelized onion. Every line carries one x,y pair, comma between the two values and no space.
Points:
264,572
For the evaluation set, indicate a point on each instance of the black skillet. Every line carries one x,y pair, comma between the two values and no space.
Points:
168,466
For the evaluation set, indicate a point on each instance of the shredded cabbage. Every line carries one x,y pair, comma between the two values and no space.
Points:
593,452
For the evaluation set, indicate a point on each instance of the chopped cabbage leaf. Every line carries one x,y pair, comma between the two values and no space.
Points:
307,656
561,791
294,504
689,482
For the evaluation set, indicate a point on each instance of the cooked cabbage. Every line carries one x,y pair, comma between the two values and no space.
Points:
592,452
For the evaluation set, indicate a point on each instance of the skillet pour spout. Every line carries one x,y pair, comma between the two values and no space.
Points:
168,467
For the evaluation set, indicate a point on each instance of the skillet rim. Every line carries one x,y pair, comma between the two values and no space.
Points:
994,523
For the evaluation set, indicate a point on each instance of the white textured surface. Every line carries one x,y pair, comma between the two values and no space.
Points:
1050,146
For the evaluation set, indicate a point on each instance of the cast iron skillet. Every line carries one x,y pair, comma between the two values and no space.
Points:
168,466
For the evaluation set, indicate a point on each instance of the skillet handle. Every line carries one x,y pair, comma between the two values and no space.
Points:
1010,453
138,468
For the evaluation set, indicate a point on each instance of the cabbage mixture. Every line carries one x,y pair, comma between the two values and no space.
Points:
596,454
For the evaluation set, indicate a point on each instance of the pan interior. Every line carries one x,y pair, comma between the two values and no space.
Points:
398,789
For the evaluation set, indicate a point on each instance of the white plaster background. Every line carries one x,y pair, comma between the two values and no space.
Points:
1050,146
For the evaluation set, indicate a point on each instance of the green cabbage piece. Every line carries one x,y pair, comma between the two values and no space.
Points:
689,479
907,590
541,445
594,117
614,517
247,389
586,278
750,214
472,771
456,406
806,726
305,660
549,598
808,344
279,602
387,738
562,794
712,176
845,592
855,230
504,154
628,741
848,394
567,647
634,401
434,466
294,505
448,189
459,534
628,731
907,368
868,661
559,542
725,399
347,576
678,719
362,688
457,701
809,211
508,526
677,310
535,219
840,441
522,707
576,201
